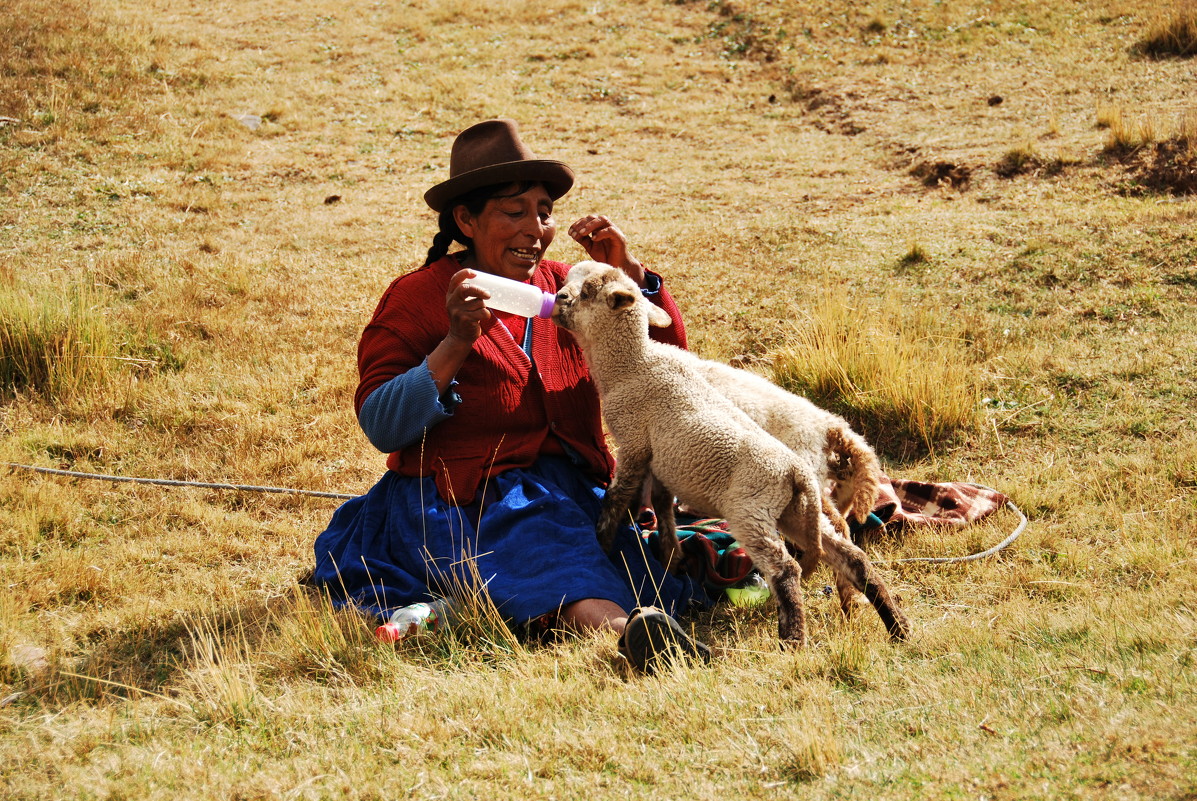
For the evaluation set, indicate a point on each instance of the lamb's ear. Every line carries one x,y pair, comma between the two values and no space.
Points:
658,317
619,298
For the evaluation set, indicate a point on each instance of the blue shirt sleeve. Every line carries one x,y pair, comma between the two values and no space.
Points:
397,413
652,284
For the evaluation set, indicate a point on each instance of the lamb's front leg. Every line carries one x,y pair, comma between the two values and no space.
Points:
631,470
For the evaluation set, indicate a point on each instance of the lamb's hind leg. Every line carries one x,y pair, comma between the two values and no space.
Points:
662,501
630,475
799,525
781,572
850,562
839,528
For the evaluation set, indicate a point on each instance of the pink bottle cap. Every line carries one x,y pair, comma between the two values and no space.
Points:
389,632
546,305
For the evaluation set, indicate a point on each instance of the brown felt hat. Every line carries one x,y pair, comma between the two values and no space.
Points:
491,153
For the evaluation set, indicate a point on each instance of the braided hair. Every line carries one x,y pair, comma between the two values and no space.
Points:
475,201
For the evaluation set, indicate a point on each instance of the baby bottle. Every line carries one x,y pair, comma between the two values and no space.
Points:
506,295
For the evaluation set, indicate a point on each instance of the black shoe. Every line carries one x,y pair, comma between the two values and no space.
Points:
652,639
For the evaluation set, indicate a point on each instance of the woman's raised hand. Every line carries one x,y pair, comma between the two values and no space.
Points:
604,242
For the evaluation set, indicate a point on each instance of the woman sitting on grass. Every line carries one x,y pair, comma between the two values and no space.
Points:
497,455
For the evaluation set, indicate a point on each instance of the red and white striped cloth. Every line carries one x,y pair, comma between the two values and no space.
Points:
914,503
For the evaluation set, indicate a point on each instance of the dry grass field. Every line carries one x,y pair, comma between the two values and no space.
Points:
969,226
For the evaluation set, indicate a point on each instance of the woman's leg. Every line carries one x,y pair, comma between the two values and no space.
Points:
593,613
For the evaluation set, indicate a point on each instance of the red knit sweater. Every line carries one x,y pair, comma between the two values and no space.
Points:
509,413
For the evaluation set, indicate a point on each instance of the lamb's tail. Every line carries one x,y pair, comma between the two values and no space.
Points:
799,522
856,470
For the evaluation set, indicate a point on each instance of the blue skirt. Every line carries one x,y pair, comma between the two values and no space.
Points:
530,538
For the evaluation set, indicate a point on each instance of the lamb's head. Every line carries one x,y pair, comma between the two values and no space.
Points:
598,296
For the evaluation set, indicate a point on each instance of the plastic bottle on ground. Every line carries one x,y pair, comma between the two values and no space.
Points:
751,591
507,295
415,619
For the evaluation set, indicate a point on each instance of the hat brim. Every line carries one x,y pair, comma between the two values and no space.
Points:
555,175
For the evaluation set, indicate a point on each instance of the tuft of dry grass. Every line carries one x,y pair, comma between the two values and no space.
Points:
1172,31
1126,135
221,676
54,342
916,255
1017,161
312,639
908,379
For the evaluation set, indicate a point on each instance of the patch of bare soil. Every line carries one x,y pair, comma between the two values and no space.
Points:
1170,167
942,173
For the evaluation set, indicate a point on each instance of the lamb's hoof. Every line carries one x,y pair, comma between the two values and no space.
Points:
899,629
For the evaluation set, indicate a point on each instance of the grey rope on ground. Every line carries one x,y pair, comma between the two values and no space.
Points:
941,560
167,482
981,555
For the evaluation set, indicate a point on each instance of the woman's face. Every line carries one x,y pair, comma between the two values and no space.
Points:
512,233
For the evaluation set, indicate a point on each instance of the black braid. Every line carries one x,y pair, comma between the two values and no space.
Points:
440,246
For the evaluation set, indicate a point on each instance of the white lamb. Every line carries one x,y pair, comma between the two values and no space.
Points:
671,424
